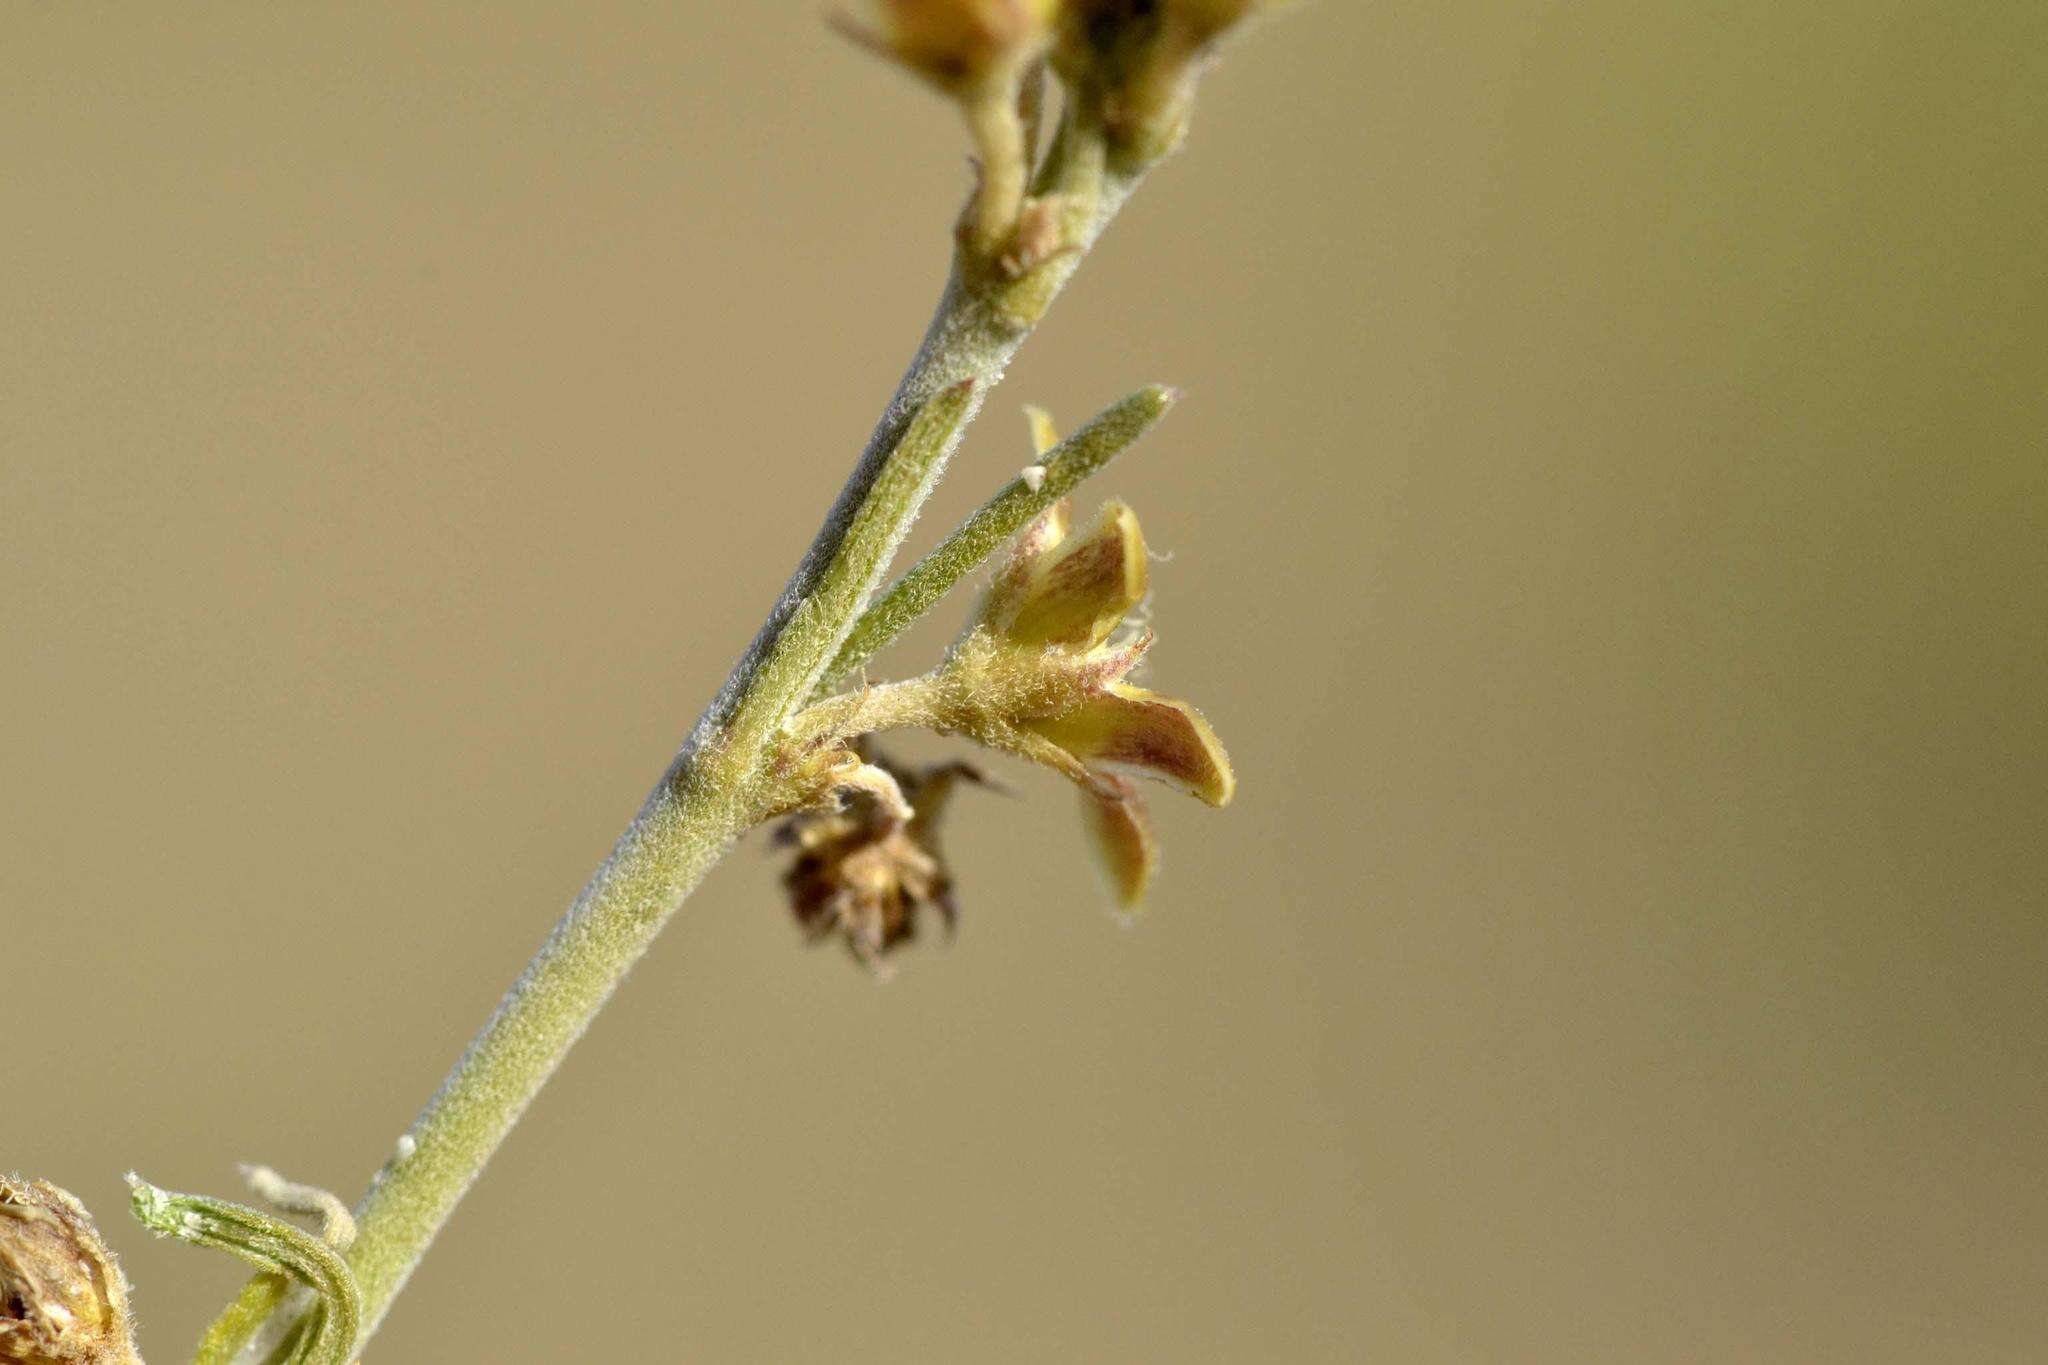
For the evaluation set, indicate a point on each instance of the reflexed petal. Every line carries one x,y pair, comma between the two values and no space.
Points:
1129,727
1124,845
1081,588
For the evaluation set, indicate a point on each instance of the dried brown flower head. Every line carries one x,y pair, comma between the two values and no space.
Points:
864,872
62,1298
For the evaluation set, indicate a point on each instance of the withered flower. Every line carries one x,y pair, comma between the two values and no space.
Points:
62,1298
865,871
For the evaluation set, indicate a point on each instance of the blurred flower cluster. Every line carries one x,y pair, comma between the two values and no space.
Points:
1131,65
957,44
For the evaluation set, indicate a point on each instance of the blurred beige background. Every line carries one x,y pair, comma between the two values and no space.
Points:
1609,524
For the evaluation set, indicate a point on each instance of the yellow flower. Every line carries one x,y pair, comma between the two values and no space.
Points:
1046,661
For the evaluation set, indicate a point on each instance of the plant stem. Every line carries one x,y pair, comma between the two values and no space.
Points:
998,133
708,796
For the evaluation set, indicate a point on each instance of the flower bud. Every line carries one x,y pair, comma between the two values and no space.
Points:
958,45
62,1298
1139,59
979,53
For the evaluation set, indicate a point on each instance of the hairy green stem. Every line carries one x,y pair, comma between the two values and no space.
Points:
999,141
708,796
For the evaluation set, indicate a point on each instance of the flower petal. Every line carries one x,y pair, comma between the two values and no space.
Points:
1098,668
1081,588
1205,19
1012,579
1044,435
1130,727
1124,845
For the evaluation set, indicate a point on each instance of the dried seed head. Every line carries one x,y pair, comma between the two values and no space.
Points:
62,1298
866,873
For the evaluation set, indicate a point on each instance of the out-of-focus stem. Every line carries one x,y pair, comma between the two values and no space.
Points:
999,141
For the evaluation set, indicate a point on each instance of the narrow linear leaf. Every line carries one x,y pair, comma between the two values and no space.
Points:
236,1327
271,1245
877,526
